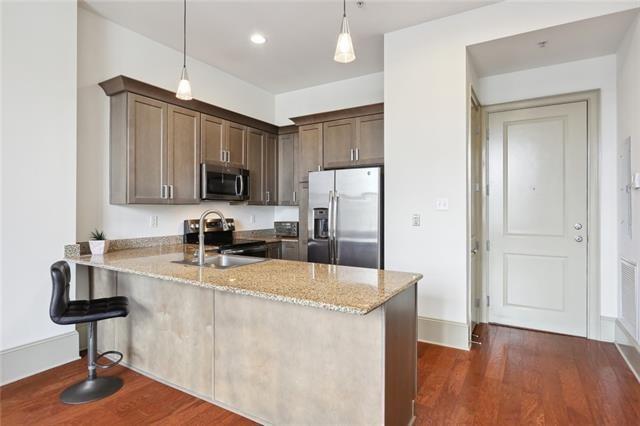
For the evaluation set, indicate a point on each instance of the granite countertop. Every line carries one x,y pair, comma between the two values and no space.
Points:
338,288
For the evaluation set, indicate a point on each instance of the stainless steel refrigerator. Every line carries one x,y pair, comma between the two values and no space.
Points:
345,217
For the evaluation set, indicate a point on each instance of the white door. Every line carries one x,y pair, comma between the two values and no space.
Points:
537,211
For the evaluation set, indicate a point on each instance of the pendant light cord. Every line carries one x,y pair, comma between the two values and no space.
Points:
344,8
184,36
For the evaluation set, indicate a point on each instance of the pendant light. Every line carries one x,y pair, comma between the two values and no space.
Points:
344,49
184,87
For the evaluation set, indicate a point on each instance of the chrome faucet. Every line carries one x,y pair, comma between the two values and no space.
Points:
225,226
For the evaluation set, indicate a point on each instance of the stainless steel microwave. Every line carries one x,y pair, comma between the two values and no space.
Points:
223,183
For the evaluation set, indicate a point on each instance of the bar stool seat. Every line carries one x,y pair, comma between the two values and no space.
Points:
64,311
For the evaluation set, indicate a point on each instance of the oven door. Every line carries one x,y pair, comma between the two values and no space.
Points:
224,183
253,251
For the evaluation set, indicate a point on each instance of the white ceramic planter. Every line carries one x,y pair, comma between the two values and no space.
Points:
99,247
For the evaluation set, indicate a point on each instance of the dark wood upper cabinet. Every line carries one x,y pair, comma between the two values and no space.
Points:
183,159
309,150
369,140
146,178
154,152
236,145
270,169
223,142
288,170
339,143
255,140
213,139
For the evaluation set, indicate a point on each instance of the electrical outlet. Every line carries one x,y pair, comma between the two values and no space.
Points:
415,220
442,204
252,218
153,221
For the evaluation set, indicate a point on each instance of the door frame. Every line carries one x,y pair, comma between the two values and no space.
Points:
592,98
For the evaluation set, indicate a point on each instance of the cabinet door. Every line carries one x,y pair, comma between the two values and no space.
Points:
309,150
270,173
213,139
370,140
236,144
274,251
338,142
287,173
147,134
183,159
254,164
303,231
290,250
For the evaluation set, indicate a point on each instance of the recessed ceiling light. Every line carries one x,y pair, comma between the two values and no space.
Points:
258,38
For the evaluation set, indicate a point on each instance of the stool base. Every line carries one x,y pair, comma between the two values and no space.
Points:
91,390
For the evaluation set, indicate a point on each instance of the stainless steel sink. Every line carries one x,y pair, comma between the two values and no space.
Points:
222,261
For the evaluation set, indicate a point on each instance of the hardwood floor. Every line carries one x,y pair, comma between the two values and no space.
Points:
523,377
515,377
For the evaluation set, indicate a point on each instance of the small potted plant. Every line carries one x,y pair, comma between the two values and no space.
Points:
98,243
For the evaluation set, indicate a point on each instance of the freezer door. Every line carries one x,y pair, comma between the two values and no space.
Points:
358,223
321,186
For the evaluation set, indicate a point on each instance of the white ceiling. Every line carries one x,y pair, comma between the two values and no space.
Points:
301,34
570,42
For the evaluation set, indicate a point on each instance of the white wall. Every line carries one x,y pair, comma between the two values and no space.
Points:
426,139
589,74
38,165
364,90
106,50
629,125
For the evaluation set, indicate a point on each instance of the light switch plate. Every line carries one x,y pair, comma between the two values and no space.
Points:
442,204
153,221
415,220
635,180
252,219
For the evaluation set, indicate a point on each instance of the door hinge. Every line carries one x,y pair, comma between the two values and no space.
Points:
488,245
488,301
487,190
487,133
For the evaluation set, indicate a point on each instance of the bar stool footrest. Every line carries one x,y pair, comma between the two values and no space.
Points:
113,363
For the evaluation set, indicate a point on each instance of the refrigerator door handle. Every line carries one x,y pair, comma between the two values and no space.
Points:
330,227
336,253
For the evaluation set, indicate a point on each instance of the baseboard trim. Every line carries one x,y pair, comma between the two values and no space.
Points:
31,358
444,333
607,329
629,348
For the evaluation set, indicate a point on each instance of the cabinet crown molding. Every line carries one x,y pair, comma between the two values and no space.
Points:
122,83
340,114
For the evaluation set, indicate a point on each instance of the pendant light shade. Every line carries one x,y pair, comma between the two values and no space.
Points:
344,48
184,87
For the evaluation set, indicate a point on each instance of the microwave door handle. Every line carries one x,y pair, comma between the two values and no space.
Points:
235,185
241,185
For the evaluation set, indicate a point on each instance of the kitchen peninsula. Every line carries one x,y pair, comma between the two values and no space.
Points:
280,342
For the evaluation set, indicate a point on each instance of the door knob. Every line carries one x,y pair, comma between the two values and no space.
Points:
474,251
577,226
578,239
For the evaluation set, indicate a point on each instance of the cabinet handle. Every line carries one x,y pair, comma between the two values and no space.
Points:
163,191
222,155
171,192
350,154
294,196
228,156
357,154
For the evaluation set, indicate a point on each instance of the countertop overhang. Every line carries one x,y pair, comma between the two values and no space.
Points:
332,287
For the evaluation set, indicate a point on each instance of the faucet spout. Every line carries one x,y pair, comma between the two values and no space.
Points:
204,215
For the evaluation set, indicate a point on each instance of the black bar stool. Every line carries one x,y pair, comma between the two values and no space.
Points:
64,311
